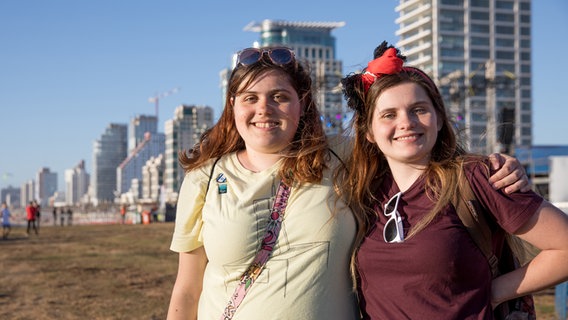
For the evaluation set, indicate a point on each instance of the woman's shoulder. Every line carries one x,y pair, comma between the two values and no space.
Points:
340,145
475,164
204,172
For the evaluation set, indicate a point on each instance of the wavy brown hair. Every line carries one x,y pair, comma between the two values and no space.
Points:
367,165
308,151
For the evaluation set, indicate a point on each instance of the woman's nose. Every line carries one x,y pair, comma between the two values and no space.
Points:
407,120
264,106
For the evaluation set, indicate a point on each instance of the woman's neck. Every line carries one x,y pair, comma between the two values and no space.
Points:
405,174
256,161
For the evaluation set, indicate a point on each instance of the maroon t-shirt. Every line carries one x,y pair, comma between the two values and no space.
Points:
439,273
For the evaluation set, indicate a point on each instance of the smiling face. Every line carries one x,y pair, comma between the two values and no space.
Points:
267,113
405,124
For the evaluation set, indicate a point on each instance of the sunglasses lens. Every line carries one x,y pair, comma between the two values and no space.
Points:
249,56
281,56
390,230
389,207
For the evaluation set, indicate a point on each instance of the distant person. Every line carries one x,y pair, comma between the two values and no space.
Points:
31,218
6,226
37,213
122,213
54,216
154,213
69,216
62,217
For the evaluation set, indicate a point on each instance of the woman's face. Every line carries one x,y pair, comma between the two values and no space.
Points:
267,113
405,124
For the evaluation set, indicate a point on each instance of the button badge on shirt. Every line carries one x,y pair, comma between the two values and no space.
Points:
221,183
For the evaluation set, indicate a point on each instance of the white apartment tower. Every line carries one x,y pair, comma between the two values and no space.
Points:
311,42
76,183
27,193
153,179
182,133
479,52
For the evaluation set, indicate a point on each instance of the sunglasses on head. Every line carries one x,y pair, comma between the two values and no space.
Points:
393,230
278,55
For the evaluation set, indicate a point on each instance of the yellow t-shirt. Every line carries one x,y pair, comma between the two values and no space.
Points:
307,276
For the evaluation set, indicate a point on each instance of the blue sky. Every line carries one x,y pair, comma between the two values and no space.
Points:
68,68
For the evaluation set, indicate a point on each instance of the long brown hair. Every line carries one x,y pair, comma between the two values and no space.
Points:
367,165
308,152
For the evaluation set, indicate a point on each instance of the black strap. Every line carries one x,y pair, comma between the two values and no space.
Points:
211,174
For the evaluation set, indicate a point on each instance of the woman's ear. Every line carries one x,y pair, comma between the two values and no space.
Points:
370,137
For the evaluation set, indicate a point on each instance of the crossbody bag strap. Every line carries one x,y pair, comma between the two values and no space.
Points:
473,218
263,253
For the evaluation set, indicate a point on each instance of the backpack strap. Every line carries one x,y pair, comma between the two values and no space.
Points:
211,174
472,217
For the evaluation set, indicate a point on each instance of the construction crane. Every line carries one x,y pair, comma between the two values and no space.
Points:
156,99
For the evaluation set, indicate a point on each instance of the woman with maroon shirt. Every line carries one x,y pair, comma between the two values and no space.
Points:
416,260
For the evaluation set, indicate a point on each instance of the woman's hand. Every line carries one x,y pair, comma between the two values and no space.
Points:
509,174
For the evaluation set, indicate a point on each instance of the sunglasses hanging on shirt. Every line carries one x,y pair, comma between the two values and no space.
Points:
393,231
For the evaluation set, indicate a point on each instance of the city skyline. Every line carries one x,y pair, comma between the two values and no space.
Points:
70,69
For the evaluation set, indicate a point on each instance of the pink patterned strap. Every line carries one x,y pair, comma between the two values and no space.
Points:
264,252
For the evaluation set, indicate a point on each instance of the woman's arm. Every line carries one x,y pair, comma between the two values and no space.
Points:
548,231
509,174
188,285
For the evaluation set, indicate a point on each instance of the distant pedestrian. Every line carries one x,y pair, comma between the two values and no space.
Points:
54,216
6,226
37,214
31,217
69,216
122,213
62,216
154,213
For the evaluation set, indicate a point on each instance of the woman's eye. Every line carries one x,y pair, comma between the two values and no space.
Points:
249,99
389,115
280,98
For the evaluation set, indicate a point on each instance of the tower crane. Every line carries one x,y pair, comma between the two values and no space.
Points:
156,99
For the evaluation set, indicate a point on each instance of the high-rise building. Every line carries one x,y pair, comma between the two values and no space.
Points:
311,42
46,186
137,129
76,183
11,196
131,168
182,133
153,179
479,52
27,193
108,152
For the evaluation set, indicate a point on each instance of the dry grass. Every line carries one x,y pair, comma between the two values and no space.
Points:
87,272
102,272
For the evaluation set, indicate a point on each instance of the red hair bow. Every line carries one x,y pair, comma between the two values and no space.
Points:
387,63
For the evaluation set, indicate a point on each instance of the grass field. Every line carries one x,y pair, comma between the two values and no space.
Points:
101,272
87,272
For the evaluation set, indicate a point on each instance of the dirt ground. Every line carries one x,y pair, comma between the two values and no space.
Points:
87,272
102,272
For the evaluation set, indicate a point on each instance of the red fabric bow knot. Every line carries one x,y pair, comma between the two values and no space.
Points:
388,63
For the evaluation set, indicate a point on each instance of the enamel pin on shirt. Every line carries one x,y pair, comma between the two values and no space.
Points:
221,183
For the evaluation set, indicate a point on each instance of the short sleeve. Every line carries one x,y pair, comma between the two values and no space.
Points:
189,222
511,211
